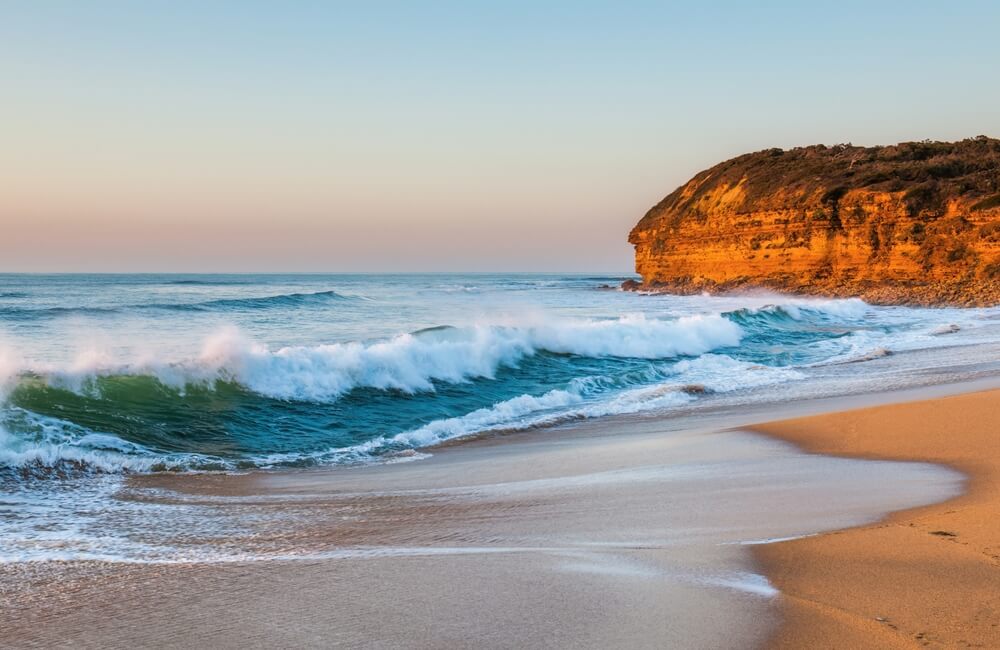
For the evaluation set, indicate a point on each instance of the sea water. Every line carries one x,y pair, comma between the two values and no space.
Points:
107,375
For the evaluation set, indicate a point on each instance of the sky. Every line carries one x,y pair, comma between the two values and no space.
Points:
436,136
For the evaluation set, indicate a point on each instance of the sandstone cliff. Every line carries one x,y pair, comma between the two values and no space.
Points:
914,223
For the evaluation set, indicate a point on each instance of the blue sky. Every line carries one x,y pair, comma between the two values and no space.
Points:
451,136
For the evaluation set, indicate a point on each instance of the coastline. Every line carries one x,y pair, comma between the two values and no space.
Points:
886,295
543,532
922,577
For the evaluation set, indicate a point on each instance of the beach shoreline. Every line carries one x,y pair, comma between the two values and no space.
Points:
921,577
231,603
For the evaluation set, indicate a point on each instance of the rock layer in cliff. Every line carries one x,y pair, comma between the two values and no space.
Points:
912,223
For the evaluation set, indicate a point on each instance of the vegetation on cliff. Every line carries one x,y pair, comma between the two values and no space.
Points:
916,222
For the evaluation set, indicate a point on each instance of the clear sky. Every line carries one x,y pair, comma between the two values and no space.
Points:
381,136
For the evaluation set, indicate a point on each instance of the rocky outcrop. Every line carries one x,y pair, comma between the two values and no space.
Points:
913,223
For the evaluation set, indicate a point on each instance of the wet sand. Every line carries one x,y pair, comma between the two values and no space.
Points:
923,577
610,533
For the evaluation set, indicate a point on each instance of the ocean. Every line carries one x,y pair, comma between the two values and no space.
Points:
108,376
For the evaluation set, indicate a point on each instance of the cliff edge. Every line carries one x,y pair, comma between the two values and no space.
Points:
912,223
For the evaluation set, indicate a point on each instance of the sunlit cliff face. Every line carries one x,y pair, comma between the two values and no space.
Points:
906,224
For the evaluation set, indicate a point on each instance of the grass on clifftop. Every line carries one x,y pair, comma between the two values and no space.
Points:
928,172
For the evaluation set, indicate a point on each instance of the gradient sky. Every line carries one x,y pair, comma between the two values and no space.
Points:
383,136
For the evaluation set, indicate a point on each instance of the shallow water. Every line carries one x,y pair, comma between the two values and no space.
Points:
625,534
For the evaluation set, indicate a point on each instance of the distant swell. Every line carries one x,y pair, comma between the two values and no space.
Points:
282,301
266,302
209,283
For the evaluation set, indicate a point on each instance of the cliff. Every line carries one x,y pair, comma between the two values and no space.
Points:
913,223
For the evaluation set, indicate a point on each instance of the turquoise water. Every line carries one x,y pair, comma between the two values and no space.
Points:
112,373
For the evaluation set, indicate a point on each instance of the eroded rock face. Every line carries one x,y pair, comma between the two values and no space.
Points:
913,223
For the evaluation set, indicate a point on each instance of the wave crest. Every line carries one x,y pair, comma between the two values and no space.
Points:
849,309
410,363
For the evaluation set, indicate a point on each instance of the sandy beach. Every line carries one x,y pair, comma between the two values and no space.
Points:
609,533
499,325
923,577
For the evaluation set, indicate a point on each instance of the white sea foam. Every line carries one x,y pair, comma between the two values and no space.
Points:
10,365
949,328
751,583
46,442
848,308
842,308
722,374
16,452
715,373
408,362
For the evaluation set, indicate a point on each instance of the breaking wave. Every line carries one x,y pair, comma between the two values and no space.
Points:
239,403
409,363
